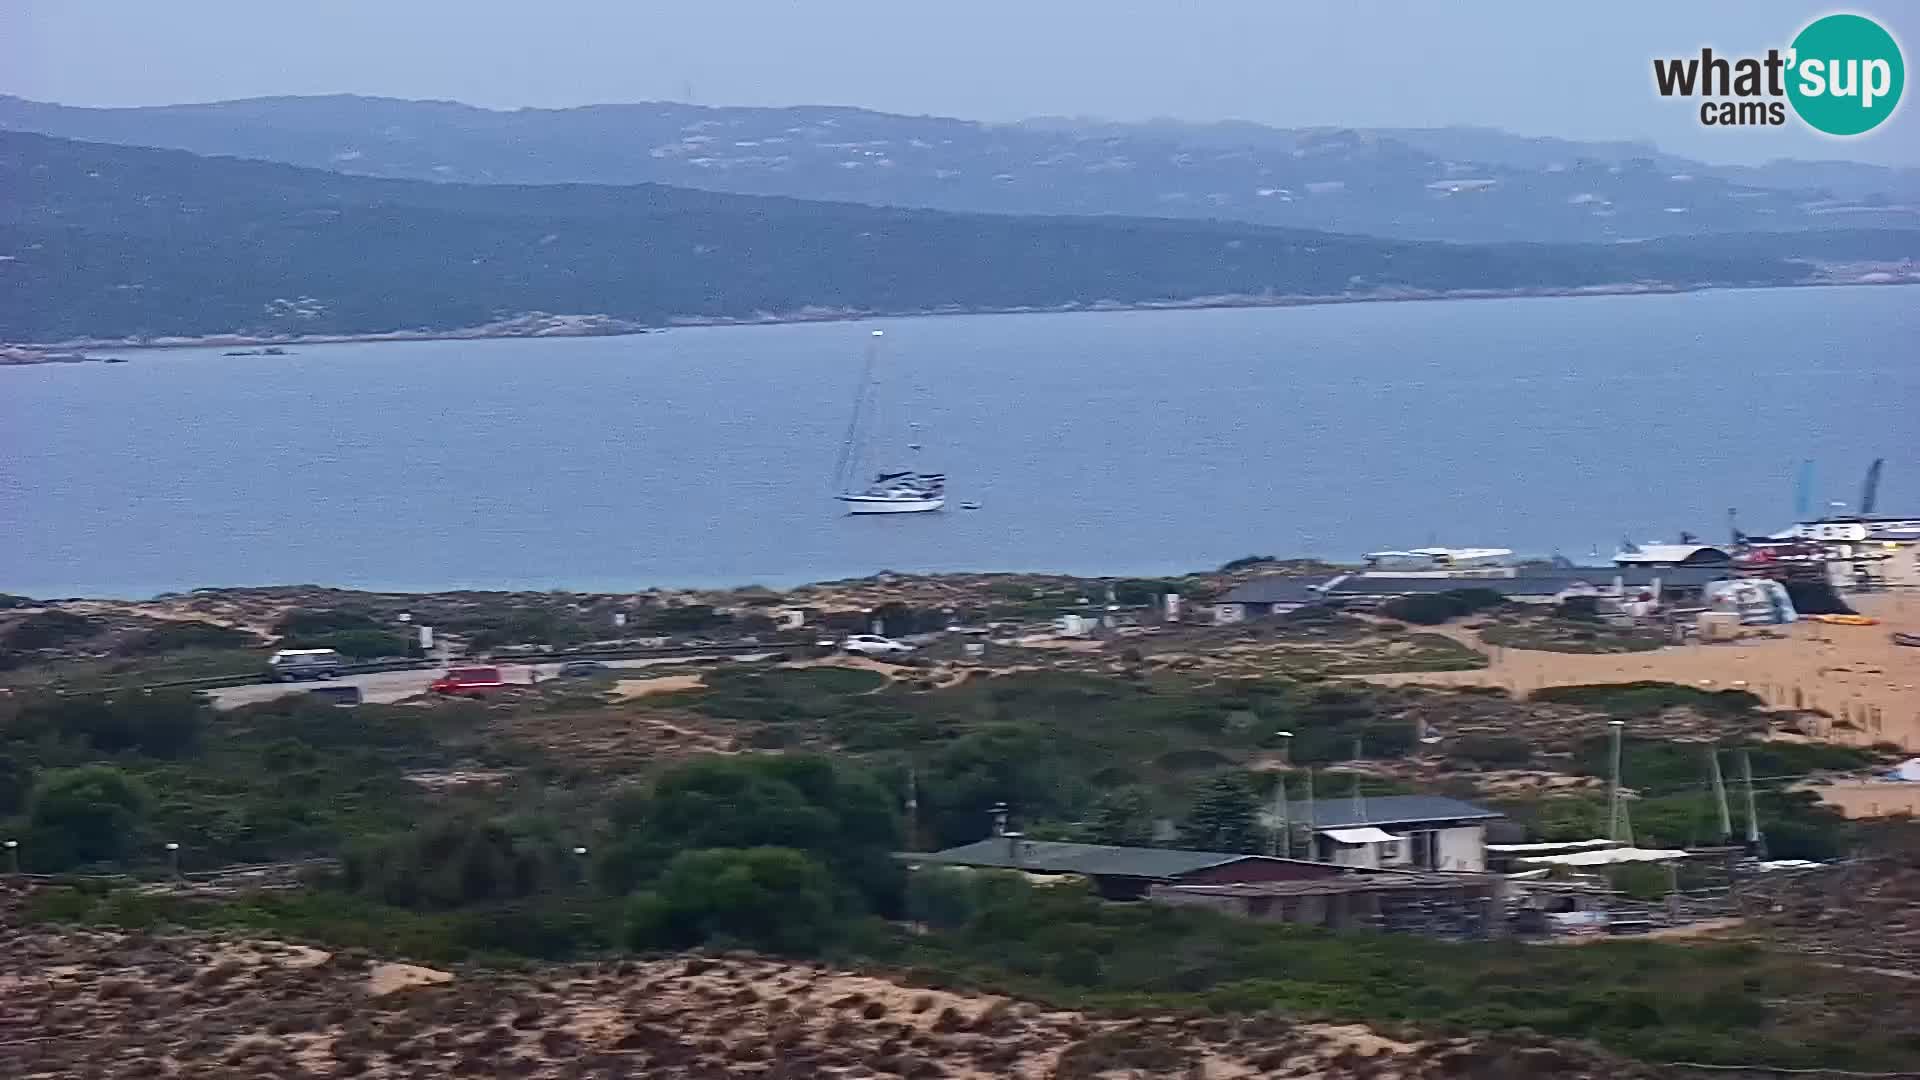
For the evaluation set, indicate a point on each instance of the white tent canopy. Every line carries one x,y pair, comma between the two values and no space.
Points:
1553,845
1367,835
1611,855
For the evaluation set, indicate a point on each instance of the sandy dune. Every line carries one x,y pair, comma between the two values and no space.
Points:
157,1006
1869,685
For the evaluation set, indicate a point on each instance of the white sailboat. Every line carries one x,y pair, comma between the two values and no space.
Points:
890,491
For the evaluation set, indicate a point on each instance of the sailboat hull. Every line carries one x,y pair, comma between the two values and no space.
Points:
881,504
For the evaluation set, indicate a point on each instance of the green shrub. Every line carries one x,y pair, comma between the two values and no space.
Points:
87,814
361,644
174,636
1631,699
315,622
452,863
1491,749
1246,562
48,629
835,814
768,898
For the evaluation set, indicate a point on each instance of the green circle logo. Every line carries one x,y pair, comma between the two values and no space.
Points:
1847,74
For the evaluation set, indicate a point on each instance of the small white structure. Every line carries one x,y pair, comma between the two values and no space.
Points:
1608,857
1437,561
1075,626
1672,555
1411,832
1907,771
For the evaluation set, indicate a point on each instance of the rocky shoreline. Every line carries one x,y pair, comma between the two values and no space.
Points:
542,324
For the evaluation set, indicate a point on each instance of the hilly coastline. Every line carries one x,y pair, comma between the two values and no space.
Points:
1464,184
107,242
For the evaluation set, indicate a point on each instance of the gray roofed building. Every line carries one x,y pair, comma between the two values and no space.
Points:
1122,872
1278,590
1336,813
1061,857
1523,581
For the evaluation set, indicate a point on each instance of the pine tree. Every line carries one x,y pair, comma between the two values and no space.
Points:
1123,816
1224,817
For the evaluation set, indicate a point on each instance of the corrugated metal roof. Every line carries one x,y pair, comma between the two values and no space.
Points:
1631,575
1277,590
1532,581
1362,834
1333,813
1386,881
1670,553
1098,860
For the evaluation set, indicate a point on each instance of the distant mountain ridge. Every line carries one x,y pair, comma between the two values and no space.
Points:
108,241
1458,184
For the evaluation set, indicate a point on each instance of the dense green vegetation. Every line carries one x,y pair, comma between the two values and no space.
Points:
1059,944
1579,631
178,635
124,241
1053,743
287,779
354,634
56,647
1714,1003
795,852
1628,700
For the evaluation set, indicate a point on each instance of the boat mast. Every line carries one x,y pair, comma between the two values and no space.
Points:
852,447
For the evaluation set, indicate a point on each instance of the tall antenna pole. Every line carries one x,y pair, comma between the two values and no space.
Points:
1359,800
1803,492
1312,822
1719,793
913,809
1618,829
1280,834
1754,844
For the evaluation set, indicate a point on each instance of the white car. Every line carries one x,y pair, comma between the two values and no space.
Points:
875,645
292,665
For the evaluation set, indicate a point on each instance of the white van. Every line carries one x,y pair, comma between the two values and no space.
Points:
290,665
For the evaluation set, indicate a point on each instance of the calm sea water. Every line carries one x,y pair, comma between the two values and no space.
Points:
1123,443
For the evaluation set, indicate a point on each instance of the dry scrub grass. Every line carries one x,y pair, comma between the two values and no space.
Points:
85,1004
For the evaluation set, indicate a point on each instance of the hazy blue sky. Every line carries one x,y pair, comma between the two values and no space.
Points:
1540,67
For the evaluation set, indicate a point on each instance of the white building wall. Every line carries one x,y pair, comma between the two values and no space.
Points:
1360,855
1463,848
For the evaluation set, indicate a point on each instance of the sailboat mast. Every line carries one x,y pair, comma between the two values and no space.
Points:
853,446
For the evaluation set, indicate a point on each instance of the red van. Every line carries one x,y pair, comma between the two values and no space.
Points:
468,682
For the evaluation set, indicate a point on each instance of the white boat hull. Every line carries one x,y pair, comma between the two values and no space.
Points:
877,504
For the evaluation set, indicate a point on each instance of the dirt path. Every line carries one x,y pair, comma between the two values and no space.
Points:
1869,685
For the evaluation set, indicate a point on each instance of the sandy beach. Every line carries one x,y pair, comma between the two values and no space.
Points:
1869,685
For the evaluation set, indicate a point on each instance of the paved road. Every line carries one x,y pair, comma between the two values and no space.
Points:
386,687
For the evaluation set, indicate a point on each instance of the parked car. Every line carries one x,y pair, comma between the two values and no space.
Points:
582,669
875,645
471,682
292,665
